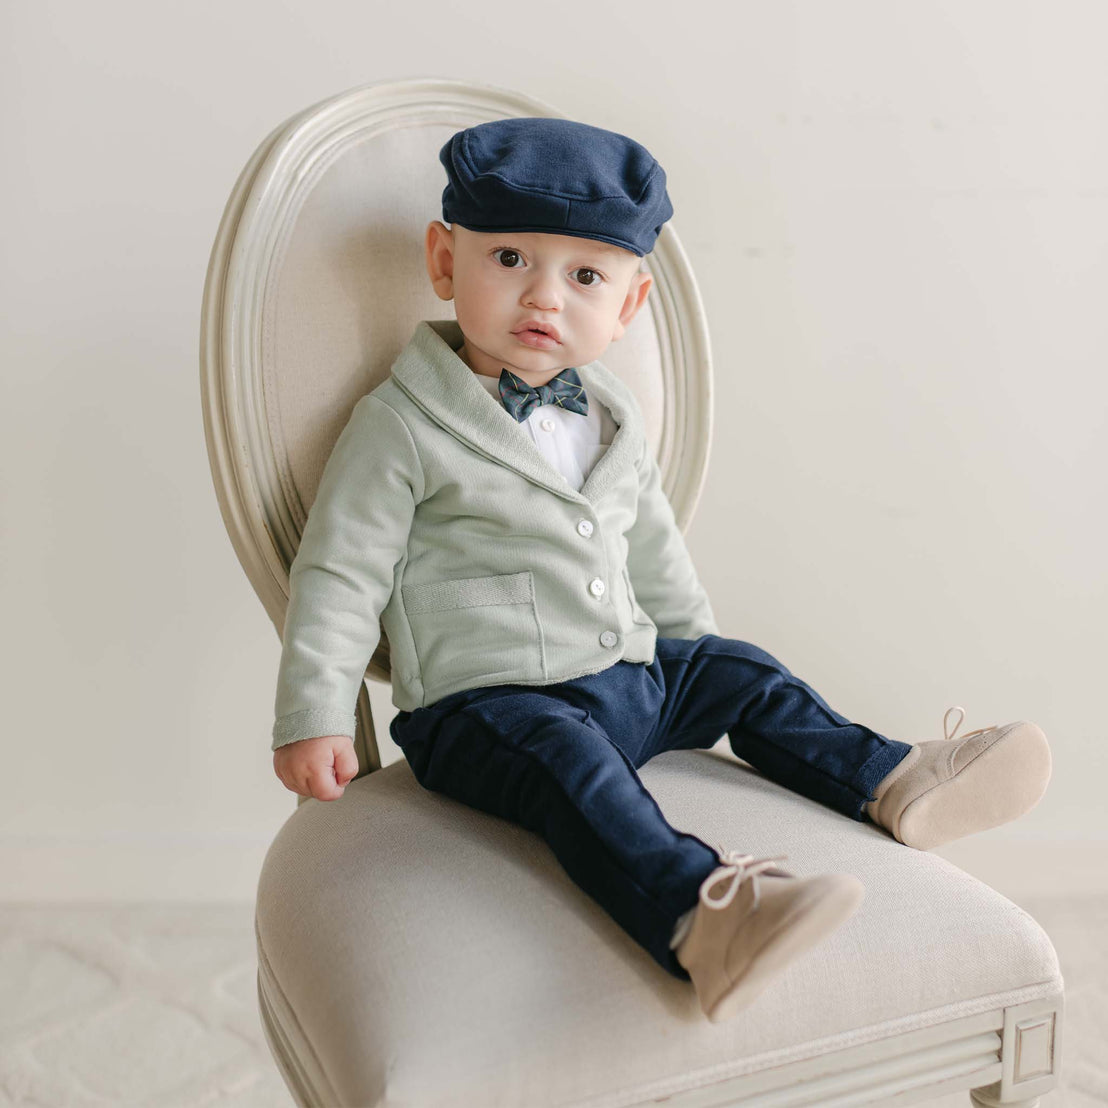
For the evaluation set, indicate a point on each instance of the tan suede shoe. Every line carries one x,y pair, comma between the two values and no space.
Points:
945,789
763,919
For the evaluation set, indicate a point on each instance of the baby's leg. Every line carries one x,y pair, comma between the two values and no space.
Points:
773,720
542,762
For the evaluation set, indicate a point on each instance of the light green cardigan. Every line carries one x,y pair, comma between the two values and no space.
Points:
439,519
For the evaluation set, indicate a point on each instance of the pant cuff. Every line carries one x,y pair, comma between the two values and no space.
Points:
877,767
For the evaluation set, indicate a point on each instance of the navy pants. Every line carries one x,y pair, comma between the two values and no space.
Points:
561,760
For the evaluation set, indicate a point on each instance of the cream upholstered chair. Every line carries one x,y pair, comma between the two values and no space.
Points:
413,951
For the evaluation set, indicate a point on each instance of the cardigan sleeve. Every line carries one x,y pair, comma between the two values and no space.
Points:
662,573
342,576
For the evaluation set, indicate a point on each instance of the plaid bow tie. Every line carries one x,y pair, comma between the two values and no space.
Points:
565,390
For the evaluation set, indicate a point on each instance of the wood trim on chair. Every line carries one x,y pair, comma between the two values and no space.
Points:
976,1054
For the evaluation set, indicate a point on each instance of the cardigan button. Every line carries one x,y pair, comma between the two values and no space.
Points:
609,638
585,528
596,587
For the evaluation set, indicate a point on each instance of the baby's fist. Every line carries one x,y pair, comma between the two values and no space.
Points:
321,767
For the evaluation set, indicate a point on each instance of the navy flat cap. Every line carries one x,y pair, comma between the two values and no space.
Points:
555,176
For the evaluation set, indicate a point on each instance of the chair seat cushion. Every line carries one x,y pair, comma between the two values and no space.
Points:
414,951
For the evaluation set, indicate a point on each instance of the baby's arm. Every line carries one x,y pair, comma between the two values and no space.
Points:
339,583
662,573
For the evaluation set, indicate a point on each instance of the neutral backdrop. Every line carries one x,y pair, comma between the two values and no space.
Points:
898,216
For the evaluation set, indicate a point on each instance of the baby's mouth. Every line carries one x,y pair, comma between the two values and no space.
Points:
539,328
532,336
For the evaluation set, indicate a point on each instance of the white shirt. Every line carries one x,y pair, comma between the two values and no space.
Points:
571,442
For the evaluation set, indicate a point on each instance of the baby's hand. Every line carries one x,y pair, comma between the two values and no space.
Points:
321,767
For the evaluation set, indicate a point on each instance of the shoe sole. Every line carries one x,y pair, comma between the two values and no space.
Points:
832,899
939,815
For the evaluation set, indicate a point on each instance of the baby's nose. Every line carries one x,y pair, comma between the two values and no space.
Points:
543,293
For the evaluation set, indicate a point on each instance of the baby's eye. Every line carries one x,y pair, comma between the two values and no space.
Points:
588,276
508,258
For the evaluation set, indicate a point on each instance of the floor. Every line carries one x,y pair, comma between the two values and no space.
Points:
155,1006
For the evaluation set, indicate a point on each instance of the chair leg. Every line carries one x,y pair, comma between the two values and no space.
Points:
985,1098
1031,1042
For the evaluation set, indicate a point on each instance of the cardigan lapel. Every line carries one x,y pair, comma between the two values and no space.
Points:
431,373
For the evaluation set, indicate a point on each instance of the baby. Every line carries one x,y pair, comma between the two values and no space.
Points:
494,505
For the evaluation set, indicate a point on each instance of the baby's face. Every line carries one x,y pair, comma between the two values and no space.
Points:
503,284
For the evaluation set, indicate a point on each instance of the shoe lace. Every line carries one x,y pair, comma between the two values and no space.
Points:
735,868
949,734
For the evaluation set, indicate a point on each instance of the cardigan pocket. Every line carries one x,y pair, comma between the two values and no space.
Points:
638,615
475,630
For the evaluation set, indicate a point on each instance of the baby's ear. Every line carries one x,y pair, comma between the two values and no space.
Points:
632,302
439,256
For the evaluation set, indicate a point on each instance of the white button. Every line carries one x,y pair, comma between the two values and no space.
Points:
608,638
547,425
596,586
584,528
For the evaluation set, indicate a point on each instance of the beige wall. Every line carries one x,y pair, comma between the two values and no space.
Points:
898,214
